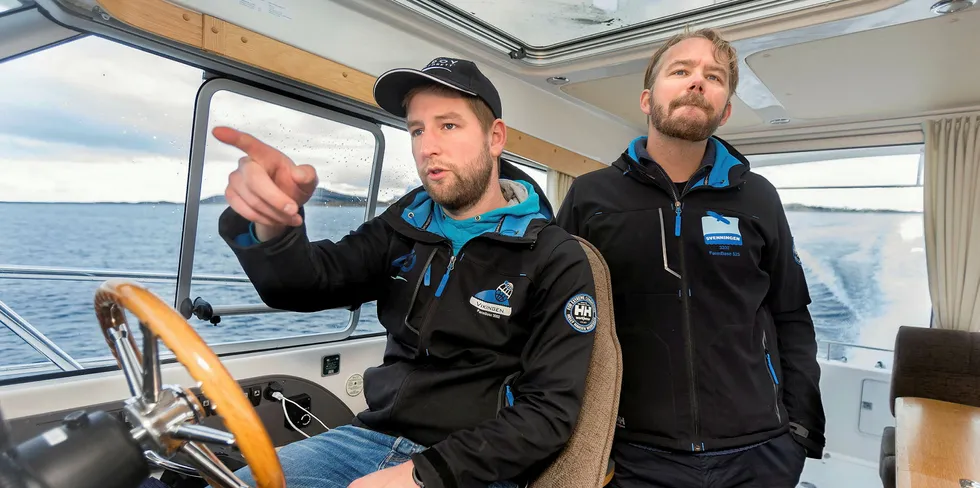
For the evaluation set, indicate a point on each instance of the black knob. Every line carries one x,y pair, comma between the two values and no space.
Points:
76,420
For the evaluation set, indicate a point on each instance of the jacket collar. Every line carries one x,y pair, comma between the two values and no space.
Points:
721,167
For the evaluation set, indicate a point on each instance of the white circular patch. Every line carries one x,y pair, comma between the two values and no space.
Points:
355,383
580,313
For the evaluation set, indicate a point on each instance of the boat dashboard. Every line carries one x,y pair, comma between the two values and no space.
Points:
302,408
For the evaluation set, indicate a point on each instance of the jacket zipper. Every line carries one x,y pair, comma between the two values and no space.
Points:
685,293
442,286
772,376
422,278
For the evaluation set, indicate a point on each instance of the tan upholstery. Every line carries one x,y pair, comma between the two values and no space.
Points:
584,462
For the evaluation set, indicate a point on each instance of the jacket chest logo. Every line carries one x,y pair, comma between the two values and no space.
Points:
720,230
721,233
494,303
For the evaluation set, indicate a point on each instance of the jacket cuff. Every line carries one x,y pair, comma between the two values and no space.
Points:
812,440
240,233
434,470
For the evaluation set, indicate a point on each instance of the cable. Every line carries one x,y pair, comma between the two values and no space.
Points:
282,400
291,424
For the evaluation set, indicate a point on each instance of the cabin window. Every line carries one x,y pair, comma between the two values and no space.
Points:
93,174
857,220
398,174
343,152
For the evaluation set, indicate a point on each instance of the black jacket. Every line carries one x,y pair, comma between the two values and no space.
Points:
710,302
487,351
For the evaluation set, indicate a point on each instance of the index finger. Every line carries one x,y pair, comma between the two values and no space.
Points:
256,149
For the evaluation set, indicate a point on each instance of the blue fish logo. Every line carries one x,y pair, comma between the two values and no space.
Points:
720,230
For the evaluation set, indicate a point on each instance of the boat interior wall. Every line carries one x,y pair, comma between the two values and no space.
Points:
27,31
345,55
860,409
38,397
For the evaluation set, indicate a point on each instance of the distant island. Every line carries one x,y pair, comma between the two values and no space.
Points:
799,207
327,198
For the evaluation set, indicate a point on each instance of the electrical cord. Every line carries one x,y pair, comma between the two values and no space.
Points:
282,400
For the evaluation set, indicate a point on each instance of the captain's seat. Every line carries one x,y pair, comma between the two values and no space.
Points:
585,463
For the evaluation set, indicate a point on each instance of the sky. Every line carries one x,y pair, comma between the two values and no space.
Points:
92,120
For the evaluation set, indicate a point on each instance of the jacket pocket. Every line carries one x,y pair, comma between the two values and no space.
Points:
772,376
505,395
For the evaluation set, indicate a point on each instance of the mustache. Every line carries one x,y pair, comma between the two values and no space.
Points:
433,162
693,99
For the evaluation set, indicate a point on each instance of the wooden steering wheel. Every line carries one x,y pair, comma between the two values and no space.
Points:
166,418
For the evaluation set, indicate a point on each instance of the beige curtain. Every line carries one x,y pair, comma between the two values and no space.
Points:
558,185
952,221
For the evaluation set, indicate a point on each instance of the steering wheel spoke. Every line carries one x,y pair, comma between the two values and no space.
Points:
200,433
151,365
210,467
126,356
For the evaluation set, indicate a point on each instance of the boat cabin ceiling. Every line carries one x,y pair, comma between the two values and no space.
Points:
847,68
817,74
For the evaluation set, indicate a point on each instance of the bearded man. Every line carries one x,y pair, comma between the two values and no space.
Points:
720,378
488,304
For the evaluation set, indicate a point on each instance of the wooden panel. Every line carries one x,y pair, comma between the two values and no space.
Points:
243,45
159,17
936,443
260,51
557,158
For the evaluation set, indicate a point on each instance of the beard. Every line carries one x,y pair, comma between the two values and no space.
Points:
471,181
686,128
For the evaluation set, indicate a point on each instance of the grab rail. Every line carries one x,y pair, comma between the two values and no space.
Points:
13,271
879,364
36,339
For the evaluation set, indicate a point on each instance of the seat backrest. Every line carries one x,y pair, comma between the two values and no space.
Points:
941,364
583,462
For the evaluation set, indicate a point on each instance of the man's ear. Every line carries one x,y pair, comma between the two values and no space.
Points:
498,138
727,113
646,102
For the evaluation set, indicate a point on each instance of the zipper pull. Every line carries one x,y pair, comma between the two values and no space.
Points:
677,219
445,277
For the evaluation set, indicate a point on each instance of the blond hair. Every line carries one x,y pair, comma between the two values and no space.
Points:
724,53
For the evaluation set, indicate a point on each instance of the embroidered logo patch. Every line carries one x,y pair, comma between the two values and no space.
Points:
494,303
580,313
405,262
720,230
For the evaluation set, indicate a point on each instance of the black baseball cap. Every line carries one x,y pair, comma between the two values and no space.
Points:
459,74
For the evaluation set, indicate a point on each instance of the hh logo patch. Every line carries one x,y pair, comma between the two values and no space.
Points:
720,230
580,312
494,303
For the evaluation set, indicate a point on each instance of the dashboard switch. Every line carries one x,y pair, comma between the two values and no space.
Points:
255,395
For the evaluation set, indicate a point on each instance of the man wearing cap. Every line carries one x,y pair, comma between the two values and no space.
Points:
489,306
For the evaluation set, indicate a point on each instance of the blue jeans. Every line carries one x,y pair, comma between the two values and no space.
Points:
334,459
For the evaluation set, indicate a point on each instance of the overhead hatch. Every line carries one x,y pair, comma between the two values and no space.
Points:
543,32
